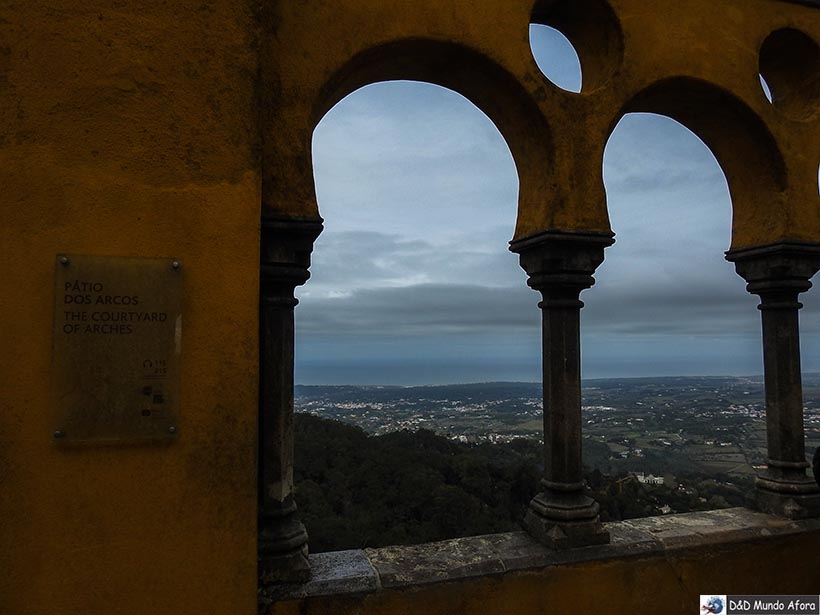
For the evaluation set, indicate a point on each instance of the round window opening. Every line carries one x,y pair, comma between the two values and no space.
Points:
790,73
569,38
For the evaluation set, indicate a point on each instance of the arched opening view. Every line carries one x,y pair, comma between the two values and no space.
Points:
411,280
414,309
417,330
667,308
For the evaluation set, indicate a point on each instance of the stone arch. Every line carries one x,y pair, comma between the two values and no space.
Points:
740,141
481,81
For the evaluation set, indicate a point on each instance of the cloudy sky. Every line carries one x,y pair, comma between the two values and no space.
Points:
412,281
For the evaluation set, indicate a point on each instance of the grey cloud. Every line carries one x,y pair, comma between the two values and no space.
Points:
646,182
671,311
426,309
418,191
435,309
363,257
345,261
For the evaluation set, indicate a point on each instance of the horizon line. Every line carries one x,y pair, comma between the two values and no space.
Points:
533,382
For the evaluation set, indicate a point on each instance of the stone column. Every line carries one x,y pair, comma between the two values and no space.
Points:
286,246
560,265
778,273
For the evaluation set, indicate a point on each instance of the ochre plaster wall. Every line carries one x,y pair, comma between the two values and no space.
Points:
669,584
134,128
129,128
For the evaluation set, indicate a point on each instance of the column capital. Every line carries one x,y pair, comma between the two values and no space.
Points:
783,267
285,248
561,260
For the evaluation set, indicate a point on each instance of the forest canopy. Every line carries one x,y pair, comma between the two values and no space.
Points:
356,490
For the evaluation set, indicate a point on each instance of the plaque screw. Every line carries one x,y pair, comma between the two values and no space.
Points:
58,434
172,429
175,265
64,260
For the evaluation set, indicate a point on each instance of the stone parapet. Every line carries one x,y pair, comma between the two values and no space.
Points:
680,555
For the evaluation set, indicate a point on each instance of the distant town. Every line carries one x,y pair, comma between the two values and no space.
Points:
649,426
463,460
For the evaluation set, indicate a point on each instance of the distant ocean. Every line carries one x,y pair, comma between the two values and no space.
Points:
411,373
414,373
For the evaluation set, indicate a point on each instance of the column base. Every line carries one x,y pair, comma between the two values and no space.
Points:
560,526
283,553
790,505
286,568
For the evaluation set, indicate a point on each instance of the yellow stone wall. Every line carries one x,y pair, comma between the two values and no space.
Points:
161,128
696,61
129,128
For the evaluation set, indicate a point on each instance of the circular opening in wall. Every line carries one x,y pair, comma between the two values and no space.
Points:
571,37
556,57
790,70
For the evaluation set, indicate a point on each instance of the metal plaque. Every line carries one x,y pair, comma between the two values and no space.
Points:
117,344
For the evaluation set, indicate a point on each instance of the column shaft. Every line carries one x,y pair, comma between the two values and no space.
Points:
784,386
285,258
562,390
778,273
560,265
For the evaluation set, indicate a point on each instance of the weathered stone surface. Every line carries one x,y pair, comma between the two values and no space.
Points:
627,541
352,572
437,561
716,526
519,551
336,572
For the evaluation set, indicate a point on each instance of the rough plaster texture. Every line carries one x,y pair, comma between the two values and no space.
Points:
129,128
161,128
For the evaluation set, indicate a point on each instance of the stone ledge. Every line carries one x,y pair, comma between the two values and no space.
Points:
332,573
355,572
717,526
462,558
